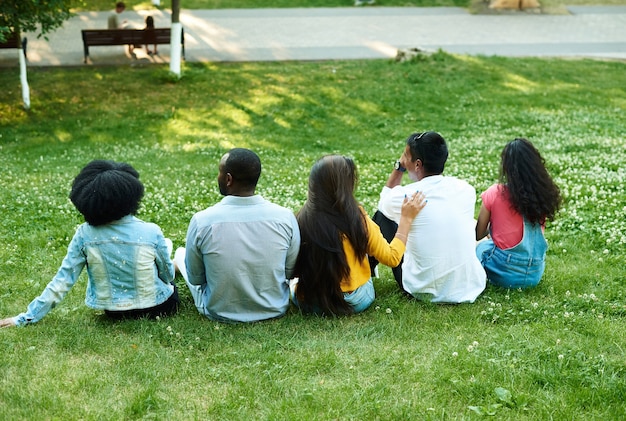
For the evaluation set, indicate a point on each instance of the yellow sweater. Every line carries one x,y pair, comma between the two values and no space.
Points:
388,254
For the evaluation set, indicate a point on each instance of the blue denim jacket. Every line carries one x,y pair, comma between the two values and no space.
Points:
128,267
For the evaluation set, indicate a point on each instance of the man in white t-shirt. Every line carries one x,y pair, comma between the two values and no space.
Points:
440,263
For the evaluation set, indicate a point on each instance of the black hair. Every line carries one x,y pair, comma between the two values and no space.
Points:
330,214
105,191
431,149
532,192
244,167
149,22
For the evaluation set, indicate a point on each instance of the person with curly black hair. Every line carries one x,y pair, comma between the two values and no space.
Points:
514,213
128,263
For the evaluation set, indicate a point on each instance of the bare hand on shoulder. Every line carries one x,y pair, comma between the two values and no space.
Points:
7,322
413,204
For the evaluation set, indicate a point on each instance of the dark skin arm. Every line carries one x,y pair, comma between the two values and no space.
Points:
482,225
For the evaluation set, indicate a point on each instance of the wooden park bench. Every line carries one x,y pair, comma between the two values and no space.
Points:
134,37
13,41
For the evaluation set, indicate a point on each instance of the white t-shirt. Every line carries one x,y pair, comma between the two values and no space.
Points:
440,263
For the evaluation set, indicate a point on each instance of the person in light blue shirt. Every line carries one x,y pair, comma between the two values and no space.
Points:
128,262
241,252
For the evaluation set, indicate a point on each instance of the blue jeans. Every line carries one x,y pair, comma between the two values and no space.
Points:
521,266
360,299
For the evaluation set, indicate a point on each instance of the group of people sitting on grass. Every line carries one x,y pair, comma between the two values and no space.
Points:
246,259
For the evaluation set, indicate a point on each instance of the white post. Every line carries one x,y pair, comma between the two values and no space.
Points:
175,48
24,80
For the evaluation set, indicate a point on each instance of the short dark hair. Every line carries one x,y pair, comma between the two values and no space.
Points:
120,5
105,191
244,166
431,149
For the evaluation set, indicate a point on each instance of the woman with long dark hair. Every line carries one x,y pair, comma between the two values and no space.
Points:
334,276
514,213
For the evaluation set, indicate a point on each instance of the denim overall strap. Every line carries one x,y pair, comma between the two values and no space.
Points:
520,266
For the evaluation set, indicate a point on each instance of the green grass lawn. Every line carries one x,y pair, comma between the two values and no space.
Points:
553,352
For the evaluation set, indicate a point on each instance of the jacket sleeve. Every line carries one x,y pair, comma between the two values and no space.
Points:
55,291
164,264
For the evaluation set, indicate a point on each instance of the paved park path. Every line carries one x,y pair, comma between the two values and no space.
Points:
346,33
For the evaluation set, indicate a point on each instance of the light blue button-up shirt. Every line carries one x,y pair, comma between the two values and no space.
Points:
241,252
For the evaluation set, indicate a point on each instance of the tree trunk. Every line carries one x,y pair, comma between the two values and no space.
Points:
23,75
175,40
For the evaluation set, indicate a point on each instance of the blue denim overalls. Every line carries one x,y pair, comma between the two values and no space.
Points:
520,266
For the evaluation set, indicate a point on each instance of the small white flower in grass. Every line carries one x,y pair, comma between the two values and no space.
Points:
564,250
455,354
560,357
187,360
197,338
388,311
169,328
475,343
606,251
567,293
377,308
178,334
470,348
158,318
216,327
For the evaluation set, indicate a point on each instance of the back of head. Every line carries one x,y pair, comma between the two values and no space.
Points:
149,22
431,149
332,181
120,6
105,191
244,167
532,192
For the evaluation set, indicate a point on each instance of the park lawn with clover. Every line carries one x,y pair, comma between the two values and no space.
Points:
552,352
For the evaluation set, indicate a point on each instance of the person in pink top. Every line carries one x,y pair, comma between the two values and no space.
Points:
514,213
